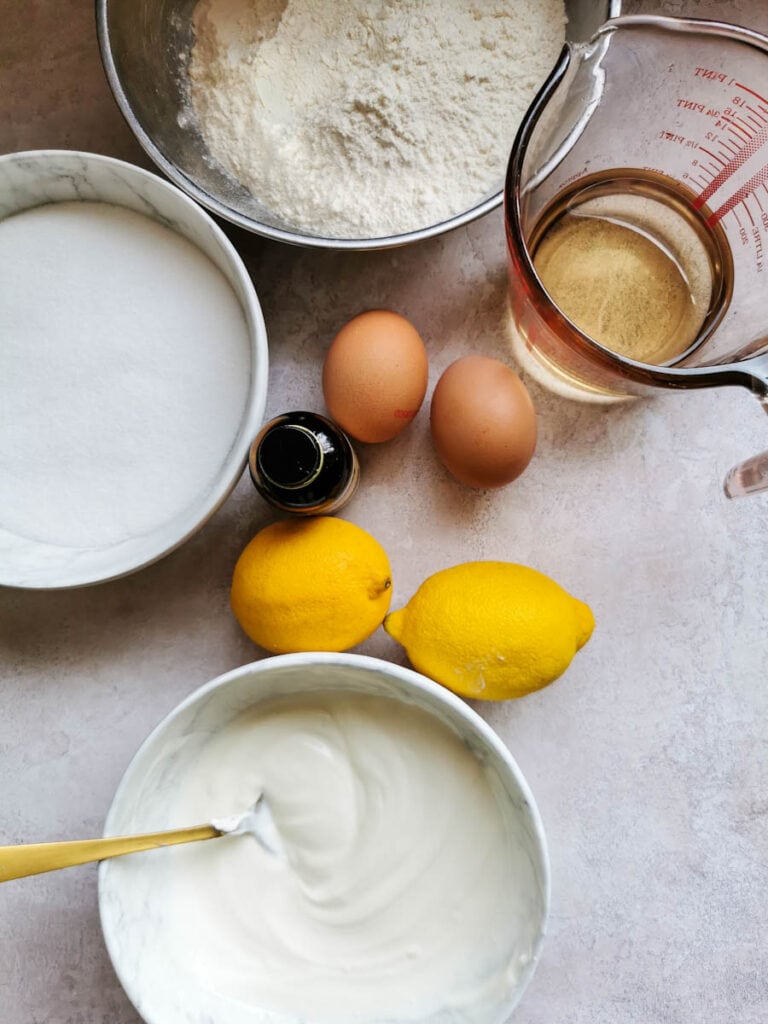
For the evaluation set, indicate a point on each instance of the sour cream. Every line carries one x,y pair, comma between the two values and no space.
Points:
404,893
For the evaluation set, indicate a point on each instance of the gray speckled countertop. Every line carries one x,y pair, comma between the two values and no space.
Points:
649,759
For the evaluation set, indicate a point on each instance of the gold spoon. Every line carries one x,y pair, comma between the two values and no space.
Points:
36,858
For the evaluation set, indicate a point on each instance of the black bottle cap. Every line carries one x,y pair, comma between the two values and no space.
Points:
290,456
303,463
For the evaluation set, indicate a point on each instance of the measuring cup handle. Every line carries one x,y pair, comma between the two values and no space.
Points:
751,476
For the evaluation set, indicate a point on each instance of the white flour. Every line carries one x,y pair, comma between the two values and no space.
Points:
124,373
362,118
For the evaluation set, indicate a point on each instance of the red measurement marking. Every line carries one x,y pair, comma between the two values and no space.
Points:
736,128
755,122
730,147
730,169
759,118
738,197
719,160
749,214
751,92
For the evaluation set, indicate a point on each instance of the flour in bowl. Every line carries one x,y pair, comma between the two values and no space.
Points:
366,118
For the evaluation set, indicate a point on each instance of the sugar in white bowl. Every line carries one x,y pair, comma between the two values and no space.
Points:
132,368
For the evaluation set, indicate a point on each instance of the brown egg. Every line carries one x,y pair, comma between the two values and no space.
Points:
483,422
375,375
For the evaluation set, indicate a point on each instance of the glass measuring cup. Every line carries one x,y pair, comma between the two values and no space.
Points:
654,131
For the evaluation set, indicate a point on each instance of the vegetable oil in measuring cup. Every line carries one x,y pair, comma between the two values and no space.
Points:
629,261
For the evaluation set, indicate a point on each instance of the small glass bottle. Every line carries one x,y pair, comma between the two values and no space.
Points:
302,463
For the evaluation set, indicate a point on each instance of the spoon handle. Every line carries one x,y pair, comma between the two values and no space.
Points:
36,858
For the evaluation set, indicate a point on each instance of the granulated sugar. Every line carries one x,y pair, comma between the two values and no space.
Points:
363,118
124,374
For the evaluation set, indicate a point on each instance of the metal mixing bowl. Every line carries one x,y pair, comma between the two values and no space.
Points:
145,47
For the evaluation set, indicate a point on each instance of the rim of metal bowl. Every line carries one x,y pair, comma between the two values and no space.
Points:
247,223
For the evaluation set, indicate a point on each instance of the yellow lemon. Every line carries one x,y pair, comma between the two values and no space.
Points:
319,584
491,630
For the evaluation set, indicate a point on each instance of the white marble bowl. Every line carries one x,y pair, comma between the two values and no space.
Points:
133,891
34,179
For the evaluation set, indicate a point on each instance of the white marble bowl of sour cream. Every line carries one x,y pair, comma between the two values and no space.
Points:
413,884
133,368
